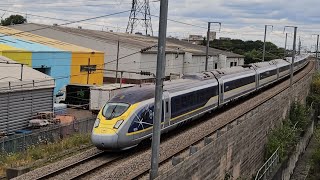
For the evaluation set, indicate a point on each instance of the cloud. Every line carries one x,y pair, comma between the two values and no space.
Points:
242,19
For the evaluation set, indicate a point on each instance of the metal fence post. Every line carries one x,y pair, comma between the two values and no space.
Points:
87,126
24,142
3,148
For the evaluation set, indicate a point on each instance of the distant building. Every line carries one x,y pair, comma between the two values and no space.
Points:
181,57
225,38
65,62
23,93
195,39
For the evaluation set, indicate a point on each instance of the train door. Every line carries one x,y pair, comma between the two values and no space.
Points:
221,91
166,109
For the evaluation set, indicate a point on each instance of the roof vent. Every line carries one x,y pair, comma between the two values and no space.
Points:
79,27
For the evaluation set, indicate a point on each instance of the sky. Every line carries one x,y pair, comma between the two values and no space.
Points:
241,19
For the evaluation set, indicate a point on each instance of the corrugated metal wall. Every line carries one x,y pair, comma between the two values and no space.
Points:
17,108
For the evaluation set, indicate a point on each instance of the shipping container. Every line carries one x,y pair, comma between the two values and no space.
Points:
99,95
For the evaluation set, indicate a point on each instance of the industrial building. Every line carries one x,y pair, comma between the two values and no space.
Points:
181,57
23,93
65,62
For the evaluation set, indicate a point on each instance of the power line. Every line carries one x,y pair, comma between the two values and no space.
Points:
72,5
72,22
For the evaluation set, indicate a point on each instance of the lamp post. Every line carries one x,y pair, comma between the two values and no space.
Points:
208,42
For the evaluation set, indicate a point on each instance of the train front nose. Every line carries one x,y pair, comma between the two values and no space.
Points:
106,141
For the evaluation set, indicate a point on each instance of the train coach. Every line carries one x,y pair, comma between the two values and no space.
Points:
127,118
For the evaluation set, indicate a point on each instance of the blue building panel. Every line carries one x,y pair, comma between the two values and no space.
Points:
51,61
55,64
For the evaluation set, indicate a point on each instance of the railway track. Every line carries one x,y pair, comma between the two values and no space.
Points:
62,171
135,164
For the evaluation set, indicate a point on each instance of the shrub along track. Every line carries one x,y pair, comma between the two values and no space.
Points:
135,163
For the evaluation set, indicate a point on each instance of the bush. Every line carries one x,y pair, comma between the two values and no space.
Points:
286,136
299,116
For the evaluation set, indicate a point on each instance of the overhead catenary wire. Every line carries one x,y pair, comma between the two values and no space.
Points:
72,22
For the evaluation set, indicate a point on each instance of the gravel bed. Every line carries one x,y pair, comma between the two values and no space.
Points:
57,165
135,164
86,167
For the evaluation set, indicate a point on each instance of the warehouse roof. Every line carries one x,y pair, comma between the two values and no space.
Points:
10,77
132,40
43,40
8,43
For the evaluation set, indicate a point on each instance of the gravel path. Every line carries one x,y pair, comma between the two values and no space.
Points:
135,164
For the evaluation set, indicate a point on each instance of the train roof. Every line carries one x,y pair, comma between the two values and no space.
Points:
147,91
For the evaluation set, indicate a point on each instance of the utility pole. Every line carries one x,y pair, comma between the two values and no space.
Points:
299,47
161,64
264,42
21,75
208,42
117,65
285,47
89,71
293,52
317,51
317,61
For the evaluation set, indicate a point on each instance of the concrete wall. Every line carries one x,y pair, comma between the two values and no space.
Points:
239,151
174,63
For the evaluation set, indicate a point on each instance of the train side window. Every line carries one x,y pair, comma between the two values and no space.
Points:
167,107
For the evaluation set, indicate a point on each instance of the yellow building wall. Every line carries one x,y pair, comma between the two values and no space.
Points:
16,54
82,59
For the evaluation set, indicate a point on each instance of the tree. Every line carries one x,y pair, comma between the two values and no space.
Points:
13,19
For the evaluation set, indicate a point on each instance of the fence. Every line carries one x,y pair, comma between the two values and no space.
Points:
268,166
20,142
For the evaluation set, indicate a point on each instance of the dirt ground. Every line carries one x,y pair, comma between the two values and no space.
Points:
80,113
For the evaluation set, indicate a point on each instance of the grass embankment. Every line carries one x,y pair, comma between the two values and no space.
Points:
287,136
47,152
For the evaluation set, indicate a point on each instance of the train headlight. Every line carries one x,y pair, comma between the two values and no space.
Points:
118,124
96,123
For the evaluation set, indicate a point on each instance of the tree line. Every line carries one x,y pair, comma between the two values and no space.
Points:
251,50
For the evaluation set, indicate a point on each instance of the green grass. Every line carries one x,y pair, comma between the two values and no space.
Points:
43,151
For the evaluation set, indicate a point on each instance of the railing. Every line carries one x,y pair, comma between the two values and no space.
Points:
20,142
268,166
